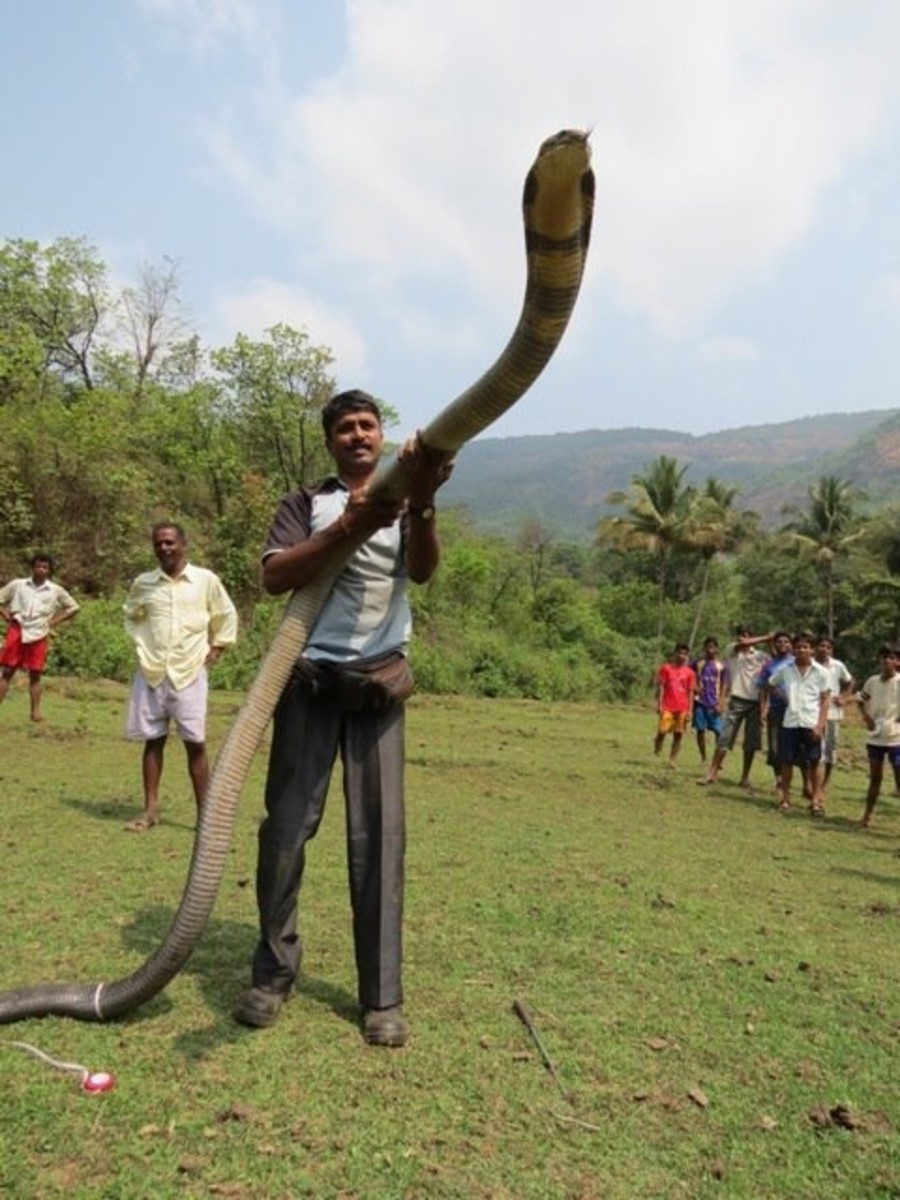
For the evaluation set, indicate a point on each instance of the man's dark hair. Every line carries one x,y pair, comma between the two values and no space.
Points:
803,635
42,557
159,525
711,641
779,633
352,401
889,649
682,646
742,631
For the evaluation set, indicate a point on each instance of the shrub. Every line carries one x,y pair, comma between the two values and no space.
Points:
95,645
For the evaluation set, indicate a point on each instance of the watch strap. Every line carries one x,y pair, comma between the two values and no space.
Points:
426,513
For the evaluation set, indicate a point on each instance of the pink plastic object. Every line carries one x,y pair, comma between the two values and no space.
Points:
98,1081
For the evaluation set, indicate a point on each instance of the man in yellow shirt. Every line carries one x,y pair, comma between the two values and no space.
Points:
180,618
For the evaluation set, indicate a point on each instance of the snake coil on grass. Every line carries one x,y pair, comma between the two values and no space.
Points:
557,209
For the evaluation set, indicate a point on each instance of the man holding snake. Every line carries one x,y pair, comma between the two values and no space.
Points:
345,695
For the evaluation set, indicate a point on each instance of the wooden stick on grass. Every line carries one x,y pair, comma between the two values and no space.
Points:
525,1017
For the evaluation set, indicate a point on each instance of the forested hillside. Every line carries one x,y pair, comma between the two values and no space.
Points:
569,563
563,479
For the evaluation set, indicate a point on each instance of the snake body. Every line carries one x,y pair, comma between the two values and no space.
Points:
557,209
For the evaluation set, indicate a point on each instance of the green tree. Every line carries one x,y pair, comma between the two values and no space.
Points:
658,517
150,324
716,528
273,393
877,586
22,355
883,539
826,530
534,543
53,300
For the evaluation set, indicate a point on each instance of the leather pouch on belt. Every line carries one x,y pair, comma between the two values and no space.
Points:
365,687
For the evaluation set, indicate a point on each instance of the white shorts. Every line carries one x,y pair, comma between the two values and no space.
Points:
150,709
830,740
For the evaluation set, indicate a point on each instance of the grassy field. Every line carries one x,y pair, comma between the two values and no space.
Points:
715,983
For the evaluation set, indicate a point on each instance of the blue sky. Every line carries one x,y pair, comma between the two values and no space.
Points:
354,168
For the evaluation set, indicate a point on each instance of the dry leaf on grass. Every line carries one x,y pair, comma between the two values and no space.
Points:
661,1043
842,1116
234,1112
819,1117
658,1099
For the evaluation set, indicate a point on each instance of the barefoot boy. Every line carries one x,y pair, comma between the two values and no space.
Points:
675,698
712,686
880,707
806,689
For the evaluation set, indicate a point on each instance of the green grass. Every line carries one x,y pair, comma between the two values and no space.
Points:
671,942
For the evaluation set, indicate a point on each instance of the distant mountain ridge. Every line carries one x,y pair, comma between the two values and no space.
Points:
563,478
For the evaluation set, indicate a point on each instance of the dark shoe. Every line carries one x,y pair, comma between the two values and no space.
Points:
259,1007
384,1026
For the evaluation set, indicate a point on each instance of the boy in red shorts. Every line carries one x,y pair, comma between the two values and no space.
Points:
677,683
31,607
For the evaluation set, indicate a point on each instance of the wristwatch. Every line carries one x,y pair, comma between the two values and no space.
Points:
424,514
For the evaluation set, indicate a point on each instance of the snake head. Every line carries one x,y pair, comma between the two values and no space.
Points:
567,137
558,196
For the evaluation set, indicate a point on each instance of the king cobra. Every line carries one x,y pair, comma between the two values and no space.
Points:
557,206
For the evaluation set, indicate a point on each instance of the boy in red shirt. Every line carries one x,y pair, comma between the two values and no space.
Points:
675,700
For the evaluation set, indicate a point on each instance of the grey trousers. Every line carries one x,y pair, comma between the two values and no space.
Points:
308,733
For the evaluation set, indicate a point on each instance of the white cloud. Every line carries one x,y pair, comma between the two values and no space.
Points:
720,129
725,349
207,24
262,303
886,294
458,338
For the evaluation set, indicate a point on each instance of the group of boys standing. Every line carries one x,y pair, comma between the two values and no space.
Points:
795,695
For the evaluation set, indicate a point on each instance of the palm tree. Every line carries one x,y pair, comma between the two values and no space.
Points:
879,584
826,529
658,507
717,528
883,538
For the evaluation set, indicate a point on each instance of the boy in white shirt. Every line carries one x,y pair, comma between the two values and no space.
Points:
32,608
880,707
806,688
841,682
741,700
